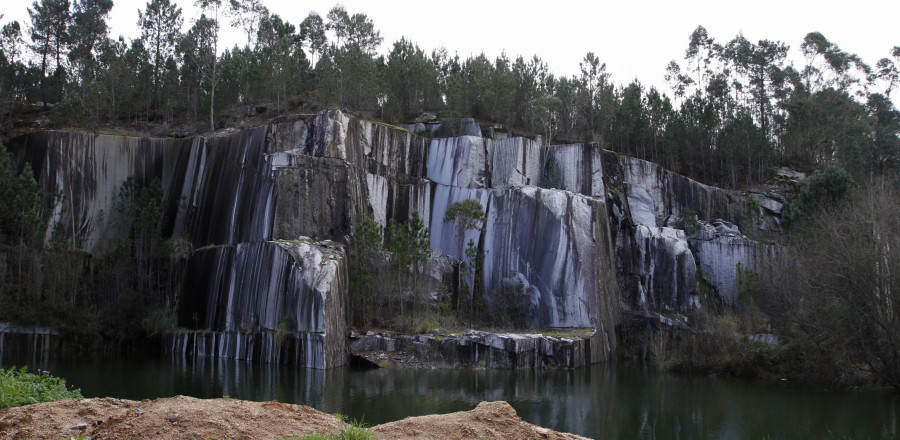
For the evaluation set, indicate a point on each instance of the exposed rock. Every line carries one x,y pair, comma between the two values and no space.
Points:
459,161
468,127
248,292
658,267
564,273
724,256
790,175
551,255
316,197
578,167
474,349
515,162
667,270
670,192
444,236
37,343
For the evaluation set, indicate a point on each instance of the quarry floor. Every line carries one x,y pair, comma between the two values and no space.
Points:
183,417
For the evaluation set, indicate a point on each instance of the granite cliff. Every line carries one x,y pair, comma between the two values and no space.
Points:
581,234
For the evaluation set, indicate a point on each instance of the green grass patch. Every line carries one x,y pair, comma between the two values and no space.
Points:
354,431
568,333
18,387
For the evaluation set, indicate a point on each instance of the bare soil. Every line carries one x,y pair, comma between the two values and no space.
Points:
168,418
189,418
489,420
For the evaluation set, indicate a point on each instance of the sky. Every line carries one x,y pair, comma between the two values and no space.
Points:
636,39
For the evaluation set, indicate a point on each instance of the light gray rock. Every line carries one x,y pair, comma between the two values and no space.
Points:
574,167
667,269
567,268
724,259
468,127
515,162
477,349
252,287
459,161
445,236
641,205
303,349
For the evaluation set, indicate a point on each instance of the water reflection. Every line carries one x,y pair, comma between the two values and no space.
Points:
600,402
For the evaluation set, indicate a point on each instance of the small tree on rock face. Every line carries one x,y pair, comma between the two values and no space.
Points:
366,252
409,246
467,215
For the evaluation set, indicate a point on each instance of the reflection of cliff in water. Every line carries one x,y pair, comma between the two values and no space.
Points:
598,401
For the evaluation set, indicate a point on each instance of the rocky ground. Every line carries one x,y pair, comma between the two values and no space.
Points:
183,417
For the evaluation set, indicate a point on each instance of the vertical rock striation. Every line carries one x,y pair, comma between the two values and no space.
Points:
572,234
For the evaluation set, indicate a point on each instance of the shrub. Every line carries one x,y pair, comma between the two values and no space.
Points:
18,387
825,190
353,431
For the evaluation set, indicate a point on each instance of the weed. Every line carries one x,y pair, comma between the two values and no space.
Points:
18,387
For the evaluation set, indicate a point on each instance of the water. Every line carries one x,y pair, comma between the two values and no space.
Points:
600,401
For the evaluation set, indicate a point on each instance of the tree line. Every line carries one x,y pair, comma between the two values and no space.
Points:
735,108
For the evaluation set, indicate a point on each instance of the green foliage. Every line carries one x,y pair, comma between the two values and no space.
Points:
352,432
18,387
411,80
410,249
22,223
387,286
752,215
826,189
687,220
467,215
285,324
366,259
160,320
131,288
738,108
839,301
143,205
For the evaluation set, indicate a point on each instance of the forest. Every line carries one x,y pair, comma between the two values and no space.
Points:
735,112
735,109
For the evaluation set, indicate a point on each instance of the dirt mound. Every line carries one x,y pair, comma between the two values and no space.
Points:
169,418
189,418
495,420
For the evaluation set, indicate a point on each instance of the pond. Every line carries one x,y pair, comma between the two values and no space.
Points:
624,401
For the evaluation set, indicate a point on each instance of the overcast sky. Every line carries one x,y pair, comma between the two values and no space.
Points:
636,39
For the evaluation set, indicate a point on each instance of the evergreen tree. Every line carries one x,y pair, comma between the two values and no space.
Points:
160,24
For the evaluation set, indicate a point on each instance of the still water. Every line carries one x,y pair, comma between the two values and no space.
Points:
600,401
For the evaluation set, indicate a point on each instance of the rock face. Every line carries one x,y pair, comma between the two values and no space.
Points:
475,349
660,263
249,292
725,257
571,235
29,342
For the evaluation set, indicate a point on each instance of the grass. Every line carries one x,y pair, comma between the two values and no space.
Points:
569,333
18,387
354,431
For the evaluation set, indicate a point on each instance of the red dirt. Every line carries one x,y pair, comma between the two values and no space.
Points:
169,418
493,420
189,418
